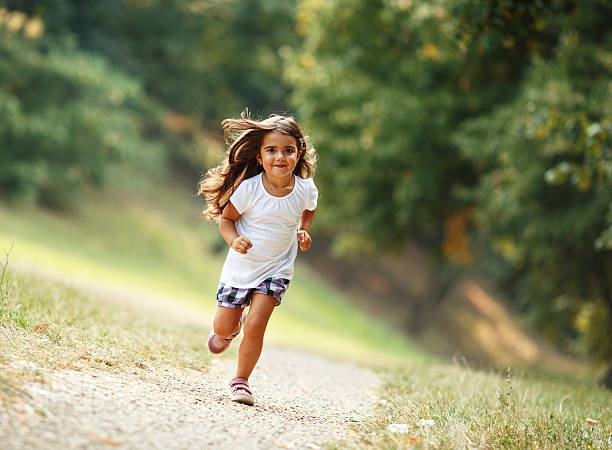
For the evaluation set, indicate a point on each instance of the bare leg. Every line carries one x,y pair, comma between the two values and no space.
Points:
254,328
226,321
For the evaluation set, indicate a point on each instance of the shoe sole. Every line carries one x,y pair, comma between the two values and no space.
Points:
212,348
245,400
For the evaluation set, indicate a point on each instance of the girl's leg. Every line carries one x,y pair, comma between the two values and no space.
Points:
226,321
254,327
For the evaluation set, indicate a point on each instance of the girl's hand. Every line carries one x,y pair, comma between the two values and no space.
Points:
304,239
241,244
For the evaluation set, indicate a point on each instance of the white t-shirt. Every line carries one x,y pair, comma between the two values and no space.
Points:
271,225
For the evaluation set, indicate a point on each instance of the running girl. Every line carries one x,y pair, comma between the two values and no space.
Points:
264,199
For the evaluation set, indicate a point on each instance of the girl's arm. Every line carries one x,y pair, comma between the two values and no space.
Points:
227,225
303,229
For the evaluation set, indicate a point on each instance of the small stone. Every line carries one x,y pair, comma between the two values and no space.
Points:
425,423
398,428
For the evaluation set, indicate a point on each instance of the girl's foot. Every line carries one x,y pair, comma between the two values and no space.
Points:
241,391
217,344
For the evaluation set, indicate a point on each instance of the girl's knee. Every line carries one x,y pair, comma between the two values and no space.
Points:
255,325
224,328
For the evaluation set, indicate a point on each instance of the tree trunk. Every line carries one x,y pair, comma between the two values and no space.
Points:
607,379
606,292
422,313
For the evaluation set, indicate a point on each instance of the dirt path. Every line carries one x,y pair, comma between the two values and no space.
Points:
302,400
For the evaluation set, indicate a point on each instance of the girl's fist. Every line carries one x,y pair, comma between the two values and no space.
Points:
241,244
304,239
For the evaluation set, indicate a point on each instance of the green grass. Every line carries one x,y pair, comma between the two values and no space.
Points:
116,240
484,410
151,241
50,324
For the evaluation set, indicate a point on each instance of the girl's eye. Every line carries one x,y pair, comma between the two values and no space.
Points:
289,150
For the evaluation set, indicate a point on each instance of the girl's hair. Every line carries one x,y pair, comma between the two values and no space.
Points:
243,137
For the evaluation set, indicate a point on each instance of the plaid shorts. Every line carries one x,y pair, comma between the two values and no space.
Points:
232,297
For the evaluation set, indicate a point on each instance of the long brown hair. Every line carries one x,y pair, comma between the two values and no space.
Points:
243,137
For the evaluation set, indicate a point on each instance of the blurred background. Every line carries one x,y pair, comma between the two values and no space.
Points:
465,161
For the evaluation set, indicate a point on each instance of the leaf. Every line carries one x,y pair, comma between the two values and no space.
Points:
97,437
559,173
41,327
283,444
431,51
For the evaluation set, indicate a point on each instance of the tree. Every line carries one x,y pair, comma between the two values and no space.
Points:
424,111
65,117
375,83
201,61
544,197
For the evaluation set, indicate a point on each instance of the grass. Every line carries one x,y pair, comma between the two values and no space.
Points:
149,244
119,240
432,405
149,240
50,324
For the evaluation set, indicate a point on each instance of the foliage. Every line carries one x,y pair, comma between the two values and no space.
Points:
65,116
445,118
454,122
376,84
203,60
546,187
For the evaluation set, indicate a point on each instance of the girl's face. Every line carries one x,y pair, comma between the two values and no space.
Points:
278,154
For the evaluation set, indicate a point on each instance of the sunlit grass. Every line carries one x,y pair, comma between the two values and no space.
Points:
450,406
116,240
316,317
382,349
150,240
49,324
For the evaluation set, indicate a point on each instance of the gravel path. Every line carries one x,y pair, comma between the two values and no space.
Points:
302,401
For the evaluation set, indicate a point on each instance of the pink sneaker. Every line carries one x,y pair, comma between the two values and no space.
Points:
241,391
211,345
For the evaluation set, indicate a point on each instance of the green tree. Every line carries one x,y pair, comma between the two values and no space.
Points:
384,84
422,110
65,117
202,60
545,194
375,83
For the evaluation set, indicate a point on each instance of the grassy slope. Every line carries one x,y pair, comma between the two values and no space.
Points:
50,324
466,408
150,239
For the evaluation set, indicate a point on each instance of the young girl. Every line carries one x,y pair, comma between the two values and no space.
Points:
264,199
